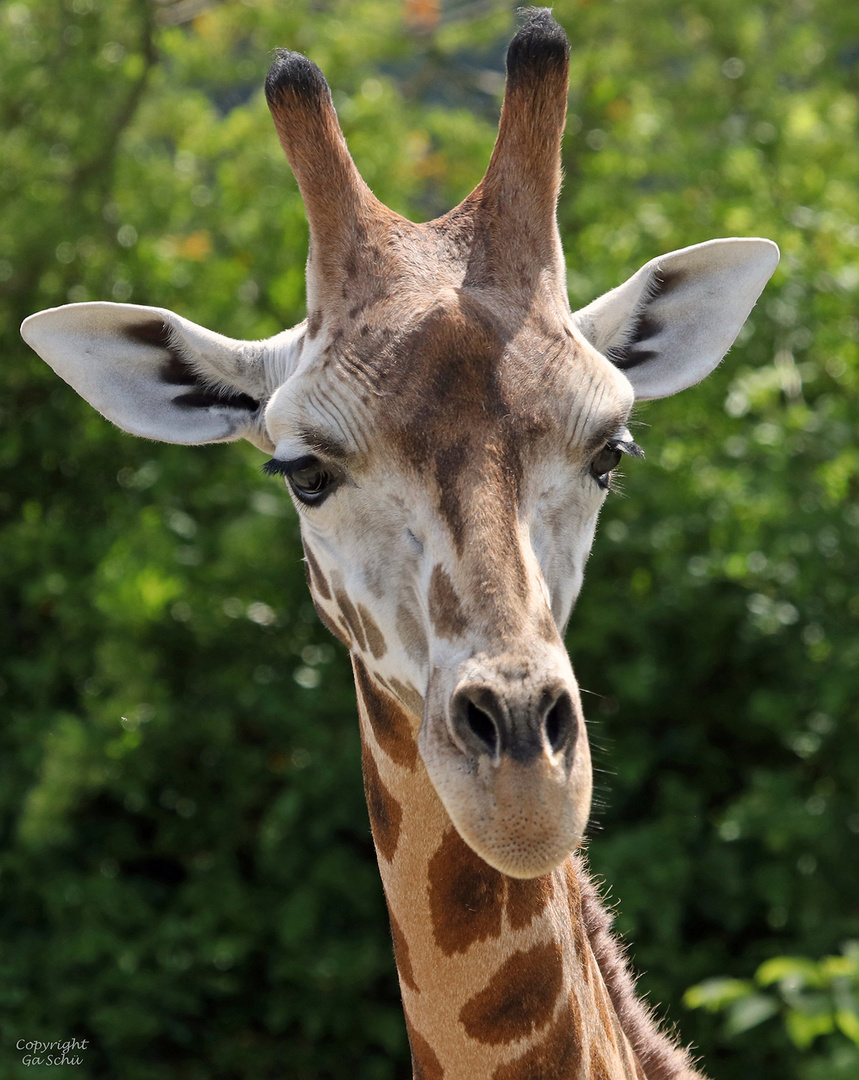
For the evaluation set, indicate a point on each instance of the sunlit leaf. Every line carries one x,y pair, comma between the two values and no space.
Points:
716,994
794,970
749,1012
804,1028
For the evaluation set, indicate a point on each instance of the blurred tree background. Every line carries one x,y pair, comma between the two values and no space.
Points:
186,876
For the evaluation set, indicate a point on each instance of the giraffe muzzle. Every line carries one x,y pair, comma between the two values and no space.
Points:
509,759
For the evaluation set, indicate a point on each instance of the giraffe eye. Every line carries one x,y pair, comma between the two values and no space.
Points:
601,467
310,479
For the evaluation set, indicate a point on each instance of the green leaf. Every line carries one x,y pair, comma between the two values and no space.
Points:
749,1012
795,970
848,1022
803,1029
716,994
840,967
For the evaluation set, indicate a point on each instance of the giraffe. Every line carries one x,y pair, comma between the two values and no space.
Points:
448,429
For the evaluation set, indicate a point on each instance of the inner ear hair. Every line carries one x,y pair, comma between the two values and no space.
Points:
630,351
181,367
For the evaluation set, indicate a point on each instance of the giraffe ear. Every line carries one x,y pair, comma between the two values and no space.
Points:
156,374
671,323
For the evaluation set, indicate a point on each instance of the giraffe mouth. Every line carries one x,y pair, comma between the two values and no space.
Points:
513,773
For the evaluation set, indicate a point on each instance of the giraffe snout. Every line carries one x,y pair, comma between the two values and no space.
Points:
505,747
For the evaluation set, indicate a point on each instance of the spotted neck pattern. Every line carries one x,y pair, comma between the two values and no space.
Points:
501,978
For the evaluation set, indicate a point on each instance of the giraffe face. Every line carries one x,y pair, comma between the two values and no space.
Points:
447,428
449,476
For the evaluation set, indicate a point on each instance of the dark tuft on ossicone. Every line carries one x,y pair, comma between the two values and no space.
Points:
293,73
539,48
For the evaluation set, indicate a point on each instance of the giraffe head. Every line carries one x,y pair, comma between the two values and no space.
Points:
448,429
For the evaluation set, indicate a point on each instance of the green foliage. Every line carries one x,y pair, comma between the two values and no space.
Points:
187,878
815,999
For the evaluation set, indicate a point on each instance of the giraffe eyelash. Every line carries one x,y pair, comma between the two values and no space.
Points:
623,441
276,467
626,446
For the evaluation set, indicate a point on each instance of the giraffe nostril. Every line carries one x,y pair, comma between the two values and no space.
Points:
553,727
483,726
477,720
515,725
559,723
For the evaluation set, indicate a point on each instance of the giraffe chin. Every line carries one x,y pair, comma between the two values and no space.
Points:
524,820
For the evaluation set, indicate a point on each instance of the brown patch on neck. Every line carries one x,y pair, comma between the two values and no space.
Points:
527,898
465,895
558,1054
385,812
401,954
607,1020
520,997
445,610
574,899
599,1070
389,722
425,1064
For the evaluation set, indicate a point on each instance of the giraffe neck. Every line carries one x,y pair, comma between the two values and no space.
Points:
499,976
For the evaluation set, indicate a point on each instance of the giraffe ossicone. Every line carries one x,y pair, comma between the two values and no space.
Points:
450,428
